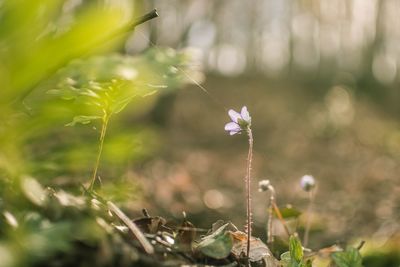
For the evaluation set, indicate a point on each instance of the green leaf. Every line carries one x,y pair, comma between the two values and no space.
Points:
290,212
83,120
120,105
64,93
286,259
349,258
295,248
218,245
111,82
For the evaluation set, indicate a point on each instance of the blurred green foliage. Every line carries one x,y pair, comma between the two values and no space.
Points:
295,256
351,257
107,84
381,252
51,76
378,258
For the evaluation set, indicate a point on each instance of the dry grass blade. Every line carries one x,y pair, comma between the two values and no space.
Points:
279,215
132,226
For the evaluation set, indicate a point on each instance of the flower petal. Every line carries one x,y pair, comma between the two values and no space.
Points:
232,126
234,132
234,115
245,114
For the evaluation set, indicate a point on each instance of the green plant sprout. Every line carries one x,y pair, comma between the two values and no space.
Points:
264,186
295,256
104,86
104,123
307,183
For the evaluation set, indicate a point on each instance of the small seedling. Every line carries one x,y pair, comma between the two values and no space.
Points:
307,183
266,186
103,86
263,186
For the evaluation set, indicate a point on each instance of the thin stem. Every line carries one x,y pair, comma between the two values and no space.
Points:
360,245
248,189
270,215
274,207
133,227
309,215
280,217
106,118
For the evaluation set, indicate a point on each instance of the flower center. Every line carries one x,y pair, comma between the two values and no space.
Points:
243,124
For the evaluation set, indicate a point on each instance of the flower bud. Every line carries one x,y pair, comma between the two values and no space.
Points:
263,185
307,182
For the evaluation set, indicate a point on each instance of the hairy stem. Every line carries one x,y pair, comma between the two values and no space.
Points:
309,214
104,125
274,207
270,215
248,189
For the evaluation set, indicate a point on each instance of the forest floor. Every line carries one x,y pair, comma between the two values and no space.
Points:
346,141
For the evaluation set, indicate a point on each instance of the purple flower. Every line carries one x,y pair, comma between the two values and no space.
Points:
307,182
240,121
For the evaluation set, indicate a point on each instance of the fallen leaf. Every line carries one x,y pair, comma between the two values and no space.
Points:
217,245
186,235
258,250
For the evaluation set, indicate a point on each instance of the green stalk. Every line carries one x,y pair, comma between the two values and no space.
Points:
104,125
309,215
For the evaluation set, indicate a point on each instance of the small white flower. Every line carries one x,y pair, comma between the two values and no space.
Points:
307,182
240,121
264,185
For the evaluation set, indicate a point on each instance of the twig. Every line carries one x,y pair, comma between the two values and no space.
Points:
360,245
145,213
132,226
149,16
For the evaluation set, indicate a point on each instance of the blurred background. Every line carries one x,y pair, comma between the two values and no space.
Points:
320,80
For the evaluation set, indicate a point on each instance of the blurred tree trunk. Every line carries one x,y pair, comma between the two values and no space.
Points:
252,49
290,66
376,45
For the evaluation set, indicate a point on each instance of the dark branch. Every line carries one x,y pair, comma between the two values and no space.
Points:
149,16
